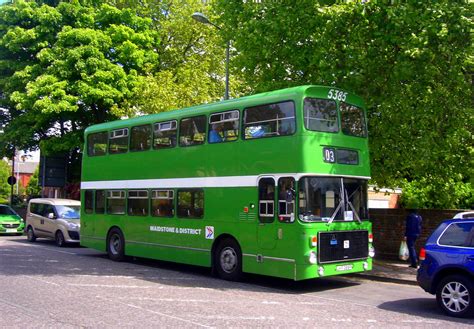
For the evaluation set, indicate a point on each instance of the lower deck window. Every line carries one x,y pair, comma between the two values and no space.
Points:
138,203
99,201
89,201
162,203
191,203
116,202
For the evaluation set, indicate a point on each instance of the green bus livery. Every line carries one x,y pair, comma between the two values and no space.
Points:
272,184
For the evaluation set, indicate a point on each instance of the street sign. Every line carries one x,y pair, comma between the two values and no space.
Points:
11,180
52,171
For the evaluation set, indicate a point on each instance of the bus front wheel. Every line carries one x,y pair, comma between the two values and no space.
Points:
228,260
116,245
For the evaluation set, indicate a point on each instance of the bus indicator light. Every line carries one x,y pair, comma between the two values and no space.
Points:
371,238
314,241
246,209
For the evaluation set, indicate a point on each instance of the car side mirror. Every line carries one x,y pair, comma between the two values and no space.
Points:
51,215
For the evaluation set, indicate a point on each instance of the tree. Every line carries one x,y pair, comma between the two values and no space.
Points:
33,188
410,61
64,68
191,61
5,172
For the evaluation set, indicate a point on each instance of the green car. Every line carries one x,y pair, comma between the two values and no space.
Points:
10,221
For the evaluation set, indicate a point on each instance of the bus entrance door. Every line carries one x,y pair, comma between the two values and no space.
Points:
266,229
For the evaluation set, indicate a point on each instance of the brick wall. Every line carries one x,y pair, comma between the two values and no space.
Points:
389,228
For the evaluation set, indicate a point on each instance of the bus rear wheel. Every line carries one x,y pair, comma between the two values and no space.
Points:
116,245
228,260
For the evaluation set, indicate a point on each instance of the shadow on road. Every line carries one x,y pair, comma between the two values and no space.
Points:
427,307
44,258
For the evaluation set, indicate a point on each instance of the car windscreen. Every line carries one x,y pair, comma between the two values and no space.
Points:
68,212
5,210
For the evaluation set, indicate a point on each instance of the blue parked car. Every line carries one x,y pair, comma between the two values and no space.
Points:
447,267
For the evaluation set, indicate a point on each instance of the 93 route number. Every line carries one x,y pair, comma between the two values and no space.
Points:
337,95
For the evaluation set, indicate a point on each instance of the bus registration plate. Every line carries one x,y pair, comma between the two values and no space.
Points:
343,267
11,230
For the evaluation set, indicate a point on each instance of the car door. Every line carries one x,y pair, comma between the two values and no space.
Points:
469,250
49,225
35,219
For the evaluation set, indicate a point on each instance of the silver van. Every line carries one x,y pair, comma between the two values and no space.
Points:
56,219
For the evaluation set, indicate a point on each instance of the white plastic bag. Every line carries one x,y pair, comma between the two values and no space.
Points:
403,253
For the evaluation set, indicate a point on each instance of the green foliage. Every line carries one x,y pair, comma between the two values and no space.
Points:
191,63
64,68
411,61
33,188
5,172
425,193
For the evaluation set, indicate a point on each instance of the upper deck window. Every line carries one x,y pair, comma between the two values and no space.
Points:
192,131
164,134
320,115
352,120
97,144
118,141
140,139
224,127
269,120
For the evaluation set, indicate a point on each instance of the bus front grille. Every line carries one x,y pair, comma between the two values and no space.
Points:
340,246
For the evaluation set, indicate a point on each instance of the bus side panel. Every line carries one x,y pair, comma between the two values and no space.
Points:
185,256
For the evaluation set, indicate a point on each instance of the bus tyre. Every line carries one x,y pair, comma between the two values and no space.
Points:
116,245
59,238
30,234
228,260
455,296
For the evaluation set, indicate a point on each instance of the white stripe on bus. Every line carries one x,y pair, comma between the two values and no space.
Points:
197,182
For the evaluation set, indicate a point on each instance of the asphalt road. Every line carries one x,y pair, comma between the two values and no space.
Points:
43,286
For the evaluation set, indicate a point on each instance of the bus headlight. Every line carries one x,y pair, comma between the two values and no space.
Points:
312,257
371,252
321,271
366,266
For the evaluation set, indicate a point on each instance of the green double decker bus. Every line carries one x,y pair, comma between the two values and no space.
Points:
272,184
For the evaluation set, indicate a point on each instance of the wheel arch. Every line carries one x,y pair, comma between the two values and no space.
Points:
447,272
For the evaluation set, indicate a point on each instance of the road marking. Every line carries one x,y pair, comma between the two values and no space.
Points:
341,320
175,300
137,277
225,317
108,286
420,321
114,301
42,280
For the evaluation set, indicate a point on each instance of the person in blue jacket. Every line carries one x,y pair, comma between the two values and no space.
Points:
215,134
412,232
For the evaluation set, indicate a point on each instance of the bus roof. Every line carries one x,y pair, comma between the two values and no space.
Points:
244,101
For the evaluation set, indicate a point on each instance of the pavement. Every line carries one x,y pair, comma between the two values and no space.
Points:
391,271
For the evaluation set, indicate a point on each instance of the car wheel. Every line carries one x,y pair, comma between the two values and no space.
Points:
228,260
116,245
59,238
455,296
30,234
